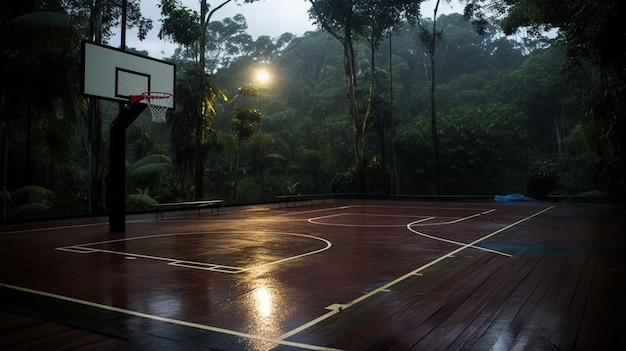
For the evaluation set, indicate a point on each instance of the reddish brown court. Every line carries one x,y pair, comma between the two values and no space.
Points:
345,275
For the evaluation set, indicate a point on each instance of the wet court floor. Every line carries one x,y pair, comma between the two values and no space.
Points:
347,275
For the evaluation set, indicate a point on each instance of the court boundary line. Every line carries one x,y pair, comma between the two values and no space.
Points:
458,243
176,219
313,220
277,341
416,207
456,220
408,226
214,267
413,273
420,222
281,339
31,230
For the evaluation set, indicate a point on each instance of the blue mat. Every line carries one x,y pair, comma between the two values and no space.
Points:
513,197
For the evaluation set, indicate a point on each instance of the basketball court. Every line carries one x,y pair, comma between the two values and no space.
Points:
345,275
351,275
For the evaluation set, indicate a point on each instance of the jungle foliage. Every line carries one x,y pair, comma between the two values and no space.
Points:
509,110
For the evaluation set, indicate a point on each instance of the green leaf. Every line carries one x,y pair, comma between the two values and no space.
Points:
151,164
31,194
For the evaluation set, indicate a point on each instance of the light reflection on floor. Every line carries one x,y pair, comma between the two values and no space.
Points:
262,306
263,297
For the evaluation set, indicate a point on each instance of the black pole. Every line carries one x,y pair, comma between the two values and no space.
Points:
123,29
117,165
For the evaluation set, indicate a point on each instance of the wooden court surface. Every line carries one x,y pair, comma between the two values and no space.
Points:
350,275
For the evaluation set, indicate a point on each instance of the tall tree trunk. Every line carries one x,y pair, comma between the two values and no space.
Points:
28,174
97,187
433,110
198,165
433,123
393,181
558,129
349,69
236,175
199,156
97,199
203,26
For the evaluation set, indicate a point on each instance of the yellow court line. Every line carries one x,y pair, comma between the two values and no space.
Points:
165,319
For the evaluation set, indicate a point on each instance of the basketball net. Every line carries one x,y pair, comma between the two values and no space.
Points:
158,103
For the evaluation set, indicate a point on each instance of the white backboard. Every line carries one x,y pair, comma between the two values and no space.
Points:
112,74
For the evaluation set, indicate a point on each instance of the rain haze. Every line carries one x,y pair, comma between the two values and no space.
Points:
450,187
265,17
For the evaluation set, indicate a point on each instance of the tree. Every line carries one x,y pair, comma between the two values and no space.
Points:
431,39
347,21
245,123
188,28
550,95
312,63
584,27
40,45
380,124
97,21
483,148
192,134
226,40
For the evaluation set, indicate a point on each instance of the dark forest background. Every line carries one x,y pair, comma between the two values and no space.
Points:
510,110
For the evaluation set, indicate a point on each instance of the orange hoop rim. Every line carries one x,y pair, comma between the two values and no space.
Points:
150,96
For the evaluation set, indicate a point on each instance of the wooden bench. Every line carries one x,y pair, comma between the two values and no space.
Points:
301,198
287,199
186,205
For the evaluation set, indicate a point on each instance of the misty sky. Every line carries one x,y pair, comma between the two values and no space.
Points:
265,17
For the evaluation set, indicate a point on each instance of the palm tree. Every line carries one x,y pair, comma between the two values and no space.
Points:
192,132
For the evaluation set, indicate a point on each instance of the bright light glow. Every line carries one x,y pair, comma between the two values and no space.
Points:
263,299
262,76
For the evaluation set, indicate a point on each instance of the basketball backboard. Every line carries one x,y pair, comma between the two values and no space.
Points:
113,74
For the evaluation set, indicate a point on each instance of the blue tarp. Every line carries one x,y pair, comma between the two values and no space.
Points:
513,197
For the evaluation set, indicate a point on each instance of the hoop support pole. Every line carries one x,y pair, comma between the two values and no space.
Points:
116,189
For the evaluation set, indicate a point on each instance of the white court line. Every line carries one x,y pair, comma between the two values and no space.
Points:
315,220
317,210
456,242
167,320
417,207
87,249
458,219
408,226
215,219
55,228
411,274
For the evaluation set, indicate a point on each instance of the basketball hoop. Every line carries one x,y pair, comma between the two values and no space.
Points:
158,102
